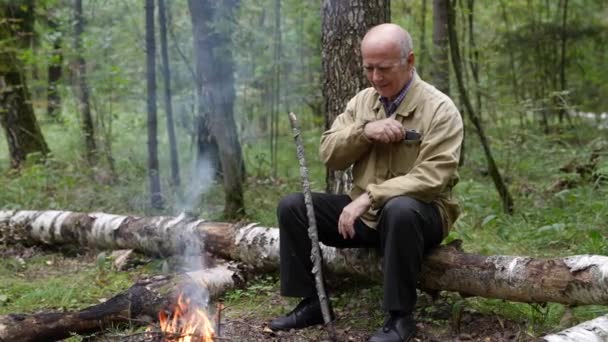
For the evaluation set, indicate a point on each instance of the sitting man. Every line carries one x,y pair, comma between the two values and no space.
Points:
403,138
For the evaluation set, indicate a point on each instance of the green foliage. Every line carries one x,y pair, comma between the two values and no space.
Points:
547,222
53,282
261,286
266,191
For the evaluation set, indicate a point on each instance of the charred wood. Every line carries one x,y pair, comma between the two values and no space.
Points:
140,304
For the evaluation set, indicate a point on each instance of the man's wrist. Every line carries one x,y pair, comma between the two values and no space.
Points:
370,198
364,132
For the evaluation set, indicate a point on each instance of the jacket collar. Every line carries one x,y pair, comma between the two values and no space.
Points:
409,103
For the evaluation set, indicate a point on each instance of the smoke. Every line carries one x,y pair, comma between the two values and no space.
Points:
193,257
199,181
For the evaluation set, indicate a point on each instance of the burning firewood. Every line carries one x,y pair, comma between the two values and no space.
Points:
188,322
141,303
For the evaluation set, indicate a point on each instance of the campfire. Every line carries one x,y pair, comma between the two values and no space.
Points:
188,322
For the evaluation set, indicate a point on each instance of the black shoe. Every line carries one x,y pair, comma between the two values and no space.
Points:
396,328
307,313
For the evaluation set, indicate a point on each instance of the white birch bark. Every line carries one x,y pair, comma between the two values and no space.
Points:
595,330
572,280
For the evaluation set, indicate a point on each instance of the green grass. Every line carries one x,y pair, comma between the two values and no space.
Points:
547,222
50,281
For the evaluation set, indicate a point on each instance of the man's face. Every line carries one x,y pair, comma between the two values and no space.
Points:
385,69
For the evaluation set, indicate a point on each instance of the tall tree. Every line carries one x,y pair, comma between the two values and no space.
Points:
422,60
276,89
162,21
513,74
440,71
212,25
344,24
562,63
55,66
84,105
501,187
156,199
16,112
473,53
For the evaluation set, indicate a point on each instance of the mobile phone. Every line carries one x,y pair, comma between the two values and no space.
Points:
411,134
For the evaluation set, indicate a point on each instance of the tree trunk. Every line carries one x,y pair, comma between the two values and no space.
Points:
137,306
440,72
441,50
593,330
53,105
276,89
84,105
473,53
501,187
162,23
156,199
422,59
344,25
562,64
512,68
574,280
17,116
212,29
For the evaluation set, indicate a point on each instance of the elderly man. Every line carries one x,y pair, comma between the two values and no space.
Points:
403,138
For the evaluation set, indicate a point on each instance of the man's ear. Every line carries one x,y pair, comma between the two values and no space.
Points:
411,59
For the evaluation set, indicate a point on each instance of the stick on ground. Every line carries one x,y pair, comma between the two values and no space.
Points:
315,253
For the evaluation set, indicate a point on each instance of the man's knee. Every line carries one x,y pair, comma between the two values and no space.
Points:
402,208
289,205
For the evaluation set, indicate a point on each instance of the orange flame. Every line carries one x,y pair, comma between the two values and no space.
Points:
188,324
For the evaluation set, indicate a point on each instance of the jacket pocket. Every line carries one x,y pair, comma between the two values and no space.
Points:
403,156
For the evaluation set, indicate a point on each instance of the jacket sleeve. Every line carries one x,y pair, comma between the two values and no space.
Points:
435,167
344,143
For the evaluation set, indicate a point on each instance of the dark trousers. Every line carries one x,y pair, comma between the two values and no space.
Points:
407,228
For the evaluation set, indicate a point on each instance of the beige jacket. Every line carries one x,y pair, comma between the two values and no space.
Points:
425,169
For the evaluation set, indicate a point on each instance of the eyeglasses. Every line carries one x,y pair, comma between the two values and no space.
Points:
382,69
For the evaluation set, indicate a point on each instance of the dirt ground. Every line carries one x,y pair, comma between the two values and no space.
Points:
435,327
479,329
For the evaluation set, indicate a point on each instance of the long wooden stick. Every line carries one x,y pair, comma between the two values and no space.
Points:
315,252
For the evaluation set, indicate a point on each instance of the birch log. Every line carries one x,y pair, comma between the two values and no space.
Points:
574,280
595,330
138,305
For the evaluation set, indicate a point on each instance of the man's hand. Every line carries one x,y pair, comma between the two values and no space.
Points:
356,208
384,131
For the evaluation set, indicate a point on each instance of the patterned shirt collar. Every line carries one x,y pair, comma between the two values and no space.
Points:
391,106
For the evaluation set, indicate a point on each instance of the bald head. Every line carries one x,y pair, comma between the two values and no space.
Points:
388,59
388,36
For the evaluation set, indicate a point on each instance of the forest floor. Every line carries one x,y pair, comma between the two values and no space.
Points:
435,322
31,276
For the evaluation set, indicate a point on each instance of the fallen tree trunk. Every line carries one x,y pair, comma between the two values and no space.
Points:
593,330
138,305
574,280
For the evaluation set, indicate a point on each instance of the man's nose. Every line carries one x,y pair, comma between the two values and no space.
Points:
376,76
